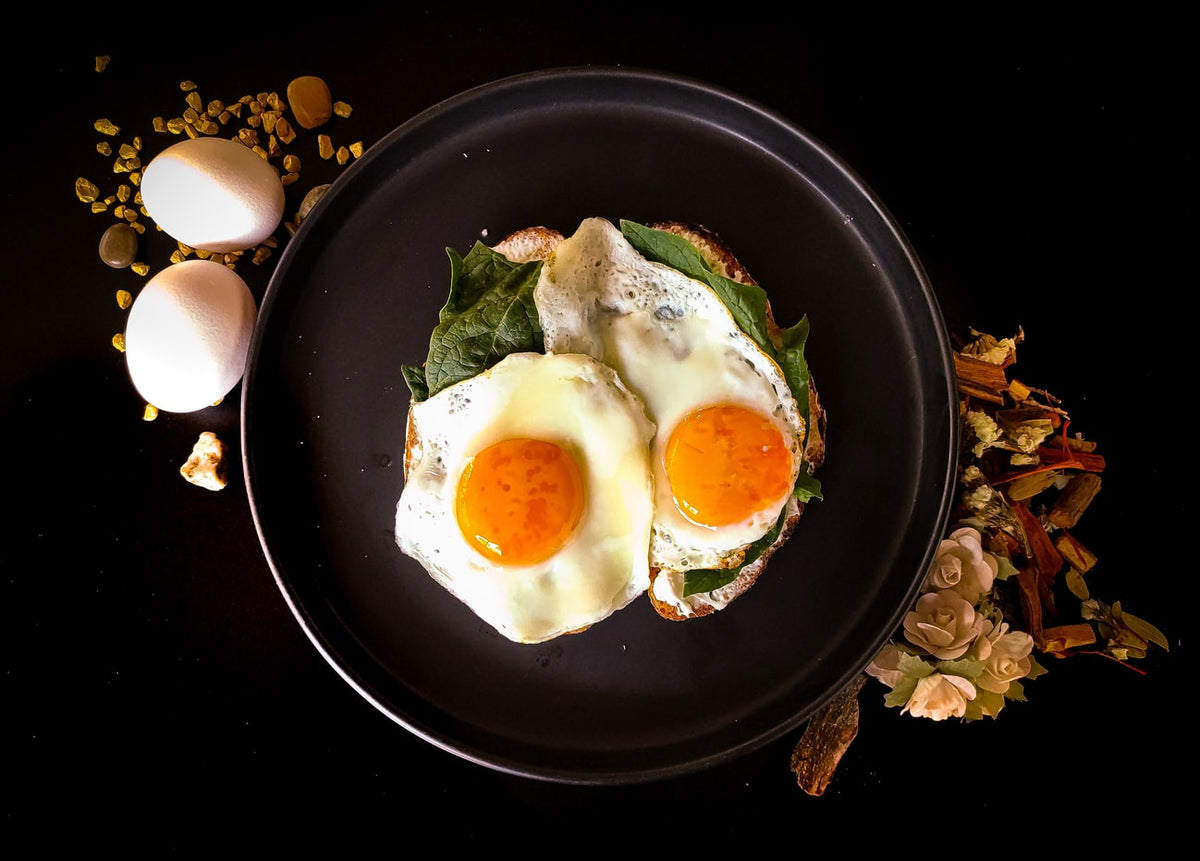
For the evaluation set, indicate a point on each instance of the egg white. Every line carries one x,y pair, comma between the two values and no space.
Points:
581,405
674,344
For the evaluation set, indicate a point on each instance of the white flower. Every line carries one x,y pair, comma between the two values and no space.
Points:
963,565
939,696
1005,657
944,624
885,666
986,431
1029,435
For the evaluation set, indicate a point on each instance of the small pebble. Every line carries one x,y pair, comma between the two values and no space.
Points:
310,100
310,200
119,245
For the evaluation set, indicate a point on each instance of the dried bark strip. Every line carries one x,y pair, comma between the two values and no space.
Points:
1066,457
1078,556
1031,601
981,379
1073,500
1063,638
826,739
1046,557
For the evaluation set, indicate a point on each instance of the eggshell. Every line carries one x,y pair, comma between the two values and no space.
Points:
188,334
213,193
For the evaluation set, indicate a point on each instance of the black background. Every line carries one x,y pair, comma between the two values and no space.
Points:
159,695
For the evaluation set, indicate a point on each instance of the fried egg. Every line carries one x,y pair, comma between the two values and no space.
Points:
528,494
729,436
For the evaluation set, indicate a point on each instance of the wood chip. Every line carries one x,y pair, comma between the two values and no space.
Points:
826,738
1082,559
1062,638
981,379
1068,457
1044,555
1073,500
1030,595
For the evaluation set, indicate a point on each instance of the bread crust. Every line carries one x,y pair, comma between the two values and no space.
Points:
530,243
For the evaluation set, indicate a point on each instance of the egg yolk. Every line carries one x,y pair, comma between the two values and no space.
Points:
519,500
725,463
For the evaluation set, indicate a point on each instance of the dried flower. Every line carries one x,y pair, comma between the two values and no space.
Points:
885,666
1005,655
961,564
944,624
984,428
939,696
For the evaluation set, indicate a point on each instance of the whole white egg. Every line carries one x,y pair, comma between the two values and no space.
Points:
214,194
188,334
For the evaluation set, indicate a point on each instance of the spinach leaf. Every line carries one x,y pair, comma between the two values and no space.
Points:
807,488
708,579
414,375
490,313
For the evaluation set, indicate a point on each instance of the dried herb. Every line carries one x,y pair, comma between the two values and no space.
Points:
1030,483
1024,485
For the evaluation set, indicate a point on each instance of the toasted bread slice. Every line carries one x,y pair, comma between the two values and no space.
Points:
721,259
537,243
531,243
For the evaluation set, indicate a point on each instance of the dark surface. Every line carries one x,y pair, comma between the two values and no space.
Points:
159,693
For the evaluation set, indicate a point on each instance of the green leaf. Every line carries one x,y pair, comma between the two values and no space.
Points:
1016,691
987,702
1035,669
747,303
790,357
700,580
914,666
808,487
665,247
1146,631
966,668
898,696
1006,567
414,375
489,314
1076,584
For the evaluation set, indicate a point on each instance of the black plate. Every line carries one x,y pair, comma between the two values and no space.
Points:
355,296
